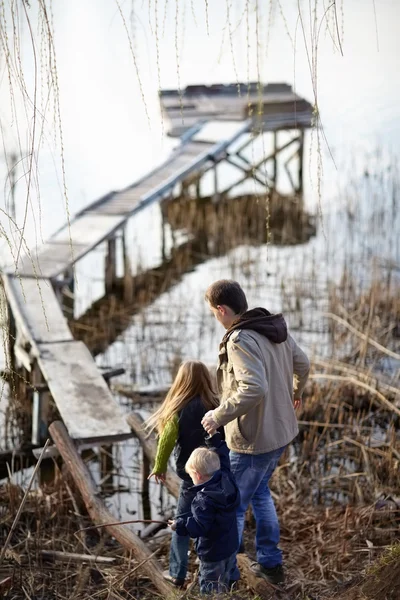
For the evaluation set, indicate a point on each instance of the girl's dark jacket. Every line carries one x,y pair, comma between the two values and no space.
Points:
213,512
191,434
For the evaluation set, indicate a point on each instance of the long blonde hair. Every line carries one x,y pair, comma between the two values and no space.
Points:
193,379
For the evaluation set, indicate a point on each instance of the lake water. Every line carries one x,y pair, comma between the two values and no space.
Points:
108,143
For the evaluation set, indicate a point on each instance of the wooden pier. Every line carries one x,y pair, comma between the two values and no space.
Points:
57,372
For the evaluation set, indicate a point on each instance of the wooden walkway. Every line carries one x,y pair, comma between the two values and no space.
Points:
43,337
100,220
43,340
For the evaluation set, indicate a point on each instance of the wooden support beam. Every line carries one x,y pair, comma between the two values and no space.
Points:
146,488
149,445
128,277
100,514
301,162
274,159
111,264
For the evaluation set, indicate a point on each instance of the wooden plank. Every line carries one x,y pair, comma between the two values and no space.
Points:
36,310
86,404
90,227
48,261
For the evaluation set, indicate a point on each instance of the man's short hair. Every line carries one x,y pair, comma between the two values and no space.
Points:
229,293
203,461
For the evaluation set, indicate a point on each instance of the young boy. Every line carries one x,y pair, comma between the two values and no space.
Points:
213,514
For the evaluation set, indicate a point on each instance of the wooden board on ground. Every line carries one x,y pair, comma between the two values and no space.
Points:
86,404
36,310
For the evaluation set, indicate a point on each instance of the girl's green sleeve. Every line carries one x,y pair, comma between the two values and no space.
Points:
166,444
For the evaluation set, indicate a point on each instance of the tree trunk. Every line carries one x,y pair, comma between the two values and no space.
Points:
99,512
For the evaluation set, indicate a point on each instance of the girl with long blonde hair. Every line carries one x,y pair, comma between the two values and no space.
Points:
178,425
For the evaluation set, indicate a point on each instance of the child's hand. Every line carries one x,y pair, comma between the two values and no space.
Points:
159,477
297,403
172,524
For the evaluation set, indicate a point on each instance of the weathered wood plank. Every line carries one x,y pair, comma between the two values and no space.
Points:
100,514
48,260
86,404
89,229
36,310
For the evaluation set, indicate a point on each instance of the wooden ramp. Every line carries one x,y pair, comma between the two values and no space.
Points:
100,220
81,394
43,339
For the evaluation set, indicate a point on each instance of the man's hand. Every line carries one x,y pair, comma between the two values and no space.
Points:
208,423
297,403
159,477
172,524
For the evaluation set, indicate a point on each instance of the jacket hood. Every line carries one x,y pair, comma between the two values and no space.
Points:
220,490
273,327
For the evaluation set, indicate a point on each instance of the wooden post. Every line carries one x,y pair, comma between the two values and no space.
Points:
198,189
275,160
145,488
68,294
163,226
111,266
300,170
128,278
215,197
100,514
106,469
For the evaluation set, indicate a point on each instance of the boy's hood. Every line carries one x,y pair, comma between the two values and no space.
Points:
221,490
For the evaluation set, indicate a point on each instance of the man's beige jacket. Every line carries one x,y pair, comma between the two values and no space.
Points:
255,380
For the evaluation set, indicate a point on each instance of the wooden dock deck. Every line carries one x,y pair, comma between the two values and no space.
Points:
43,345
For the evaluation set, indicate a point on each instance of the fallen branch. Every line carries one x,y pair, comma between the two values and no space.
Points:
73,557
122,523
98,511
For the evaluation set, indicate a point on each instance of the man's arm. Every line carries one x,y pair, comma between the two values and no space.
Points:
301,367
249,371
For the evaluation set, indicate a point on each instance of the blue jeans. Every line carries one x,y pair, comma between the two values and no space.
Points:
215,576
178,555
252,473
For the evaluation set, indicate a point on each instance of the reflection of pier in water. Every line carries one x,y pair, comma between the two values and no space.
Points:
212,229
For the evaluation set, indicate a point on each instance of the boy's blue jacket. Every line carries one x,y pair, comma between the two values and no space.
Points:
213,519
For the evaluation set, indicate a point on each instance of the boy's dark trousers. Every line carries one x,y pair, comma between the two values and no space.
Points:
215,576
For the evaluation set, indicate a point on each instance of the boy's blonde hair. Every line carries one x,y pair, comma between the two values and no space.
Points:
203,461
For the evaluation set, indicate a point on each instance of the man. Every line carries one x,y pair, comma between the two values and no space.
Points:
257,361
